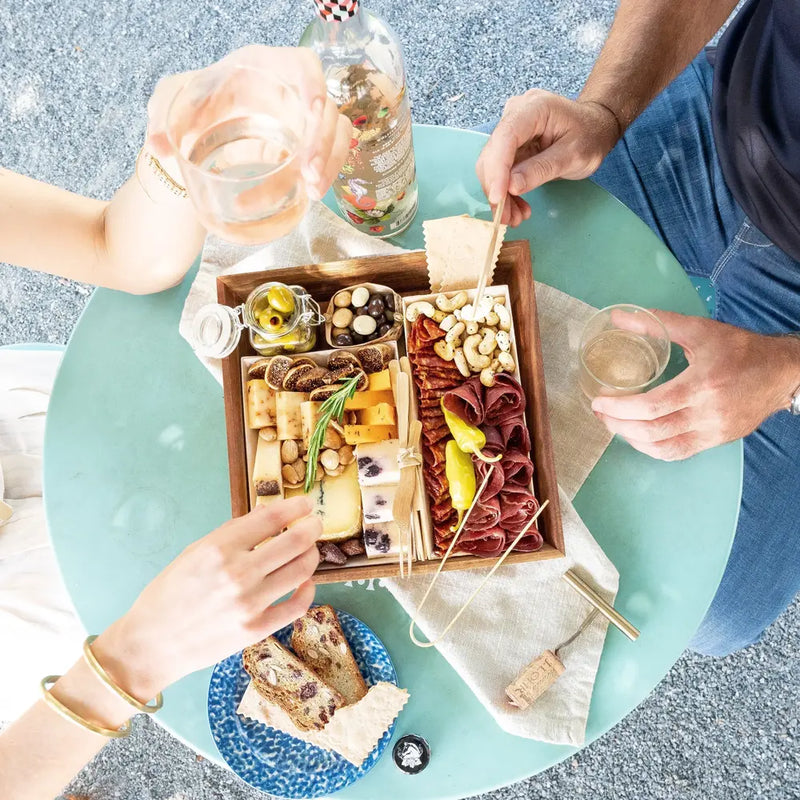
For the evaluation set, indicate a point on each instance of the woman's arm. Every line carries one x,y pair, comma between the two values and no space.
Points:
217,597
146,238
141,241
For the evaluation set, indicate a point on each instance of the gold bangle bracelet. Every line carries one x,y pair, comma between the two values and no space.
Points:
94,664
70,715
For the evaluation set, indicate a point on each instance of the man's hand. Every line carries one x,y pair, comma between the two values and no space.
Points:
735,380
540,137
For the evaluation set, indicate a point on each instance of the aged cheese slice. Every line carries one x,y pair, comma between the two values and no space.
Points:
267,478
380,414
337,500
288,416
377,463
380,381
363,434
353,731
309,414
260,404
367,399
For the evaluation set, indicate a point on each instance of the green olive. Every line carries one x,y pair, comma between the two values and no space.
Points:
272,321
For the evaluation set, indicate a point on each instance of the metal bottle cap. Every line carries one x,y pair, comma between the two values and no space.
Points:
411,754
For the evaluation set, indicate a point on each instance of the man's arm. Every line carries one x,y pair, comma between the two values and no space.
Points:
543,136
648,45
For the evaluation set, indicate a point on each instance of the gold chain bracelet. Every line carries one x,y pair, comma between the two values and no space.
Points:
163,176
71,716
95,666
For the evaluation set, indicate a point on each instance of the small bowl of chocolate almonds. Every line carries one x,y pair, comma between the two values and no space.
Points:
364,313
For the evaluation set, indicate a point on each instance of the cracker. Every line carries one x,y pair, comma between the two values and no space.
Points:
456,248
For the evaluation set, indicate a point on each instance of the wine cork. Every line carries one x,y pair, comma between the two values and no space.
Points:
535,679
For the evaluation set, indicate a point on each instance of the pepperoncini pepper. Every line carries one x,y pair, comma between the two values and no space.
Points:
469,438
461,477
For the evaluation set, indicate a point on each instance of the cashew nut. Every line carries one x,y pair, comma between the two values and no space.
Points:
457,342
471,314
461,362
420,307
506,362
503,340
438,316
449,305
492,318
444,350
457,313
504,315
487,374
486,347
472,328
455,332
448,322
477,361
501,298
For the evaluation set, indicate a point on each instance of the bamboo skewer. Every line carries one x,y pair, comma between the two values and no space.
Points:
487,265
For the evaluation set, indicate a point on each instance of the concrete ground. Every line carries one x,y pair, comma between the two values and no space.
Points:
76,76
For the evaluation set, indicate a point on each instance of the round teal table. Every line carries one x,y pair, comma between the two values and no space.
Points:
136,468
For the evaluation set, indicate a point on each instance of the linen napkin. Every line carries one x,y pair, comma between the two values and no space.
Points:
505,627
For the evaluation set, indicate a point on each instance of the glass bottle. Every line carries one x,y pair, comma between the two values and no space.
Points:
363,64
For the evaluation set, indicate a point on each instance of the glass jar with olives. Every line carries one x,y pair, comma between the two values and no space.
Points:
367,312
280,319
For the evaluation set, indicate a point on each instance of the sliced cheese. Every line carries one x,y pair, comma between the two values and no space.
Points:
381,539
260,404
367,399
267,478
309,414
377,502
379,414
380,381
363,434
378,463
287,414
337,500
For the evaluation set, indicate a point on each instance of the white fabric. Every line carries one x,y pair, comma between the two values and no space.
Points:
525,609
39,630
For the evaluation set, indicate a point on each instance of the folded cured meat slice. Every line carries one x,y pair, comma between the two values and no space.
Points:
489,544
495,444
531,541
466,401
515,434
517,506
517,468
496,482
486,514
424,331
503,401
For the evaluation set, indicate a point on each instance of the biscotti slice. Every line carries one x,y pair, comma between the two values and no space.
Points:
319,640
283,679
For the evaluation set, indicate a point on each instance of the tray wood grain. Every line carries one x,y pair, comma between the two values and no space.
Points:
407,274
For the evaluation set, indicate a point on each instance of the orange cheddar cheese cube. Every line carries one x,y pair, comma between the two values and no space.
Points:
368,399
380,381
363,434
379,414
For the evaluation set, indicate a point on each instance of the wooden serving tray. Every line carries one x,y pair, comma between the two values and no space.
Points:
407,274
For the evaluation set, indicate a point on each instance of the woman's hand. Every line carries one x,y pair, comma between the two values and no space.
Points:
735,380
328,133
541,137
218,596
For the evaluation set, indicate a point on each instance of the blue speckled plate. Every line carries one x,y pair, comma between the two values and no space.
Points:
274,761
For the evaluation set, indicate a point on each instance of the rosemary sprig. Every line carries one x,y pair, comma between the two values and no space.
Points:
332,408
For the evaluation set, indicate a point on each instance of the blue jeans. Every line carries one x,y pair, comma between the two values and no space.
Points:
666,170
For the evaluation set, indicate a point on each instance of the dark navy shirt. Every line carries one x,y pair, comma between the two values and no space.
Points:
756,116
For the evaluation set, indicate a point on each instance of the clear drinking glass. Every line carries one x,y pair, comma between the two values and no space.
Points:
238,134
624,349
